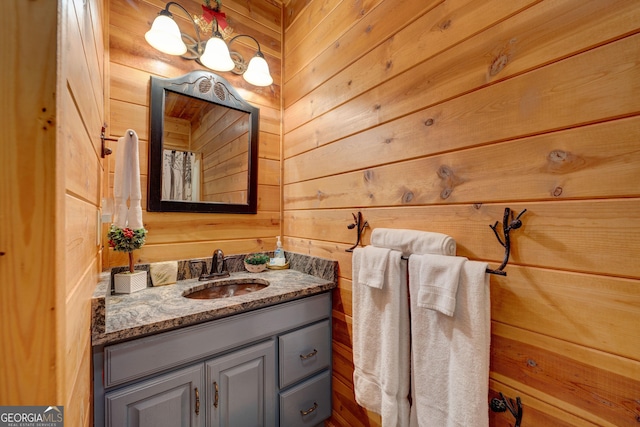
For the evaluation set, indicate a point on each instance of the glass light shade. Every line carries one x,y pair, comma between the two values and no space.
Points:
216,55
165,36
258,72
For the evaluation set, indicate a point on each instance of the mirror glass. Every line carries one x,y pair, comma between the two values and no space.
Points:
203,146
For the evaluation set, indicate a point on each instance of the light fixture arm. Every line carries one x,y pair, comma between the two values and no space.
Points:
238,59
195,46
245,35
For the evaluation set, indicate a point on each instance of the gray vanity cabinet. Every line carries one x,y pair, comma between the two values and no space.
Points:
268,367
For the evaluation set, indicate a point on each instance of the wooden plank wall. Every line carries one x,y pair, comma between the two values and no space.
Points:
29,321
436,115
132,62
51,194
82,68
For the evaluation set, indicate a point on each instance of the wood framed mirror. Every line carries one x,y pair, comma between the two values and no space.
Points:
203,146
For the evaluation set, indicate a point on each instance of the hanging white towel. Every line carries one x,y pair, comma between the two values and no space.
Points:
439,276
381,346
376,260
413,242
126,183
450,355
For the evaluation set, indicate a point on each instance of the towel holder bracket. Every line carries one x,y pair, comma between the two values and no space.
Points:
502,404
359,224
104,150
508,223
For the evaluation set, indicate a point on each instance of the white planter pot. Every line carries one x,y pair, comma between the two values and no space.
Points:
127,283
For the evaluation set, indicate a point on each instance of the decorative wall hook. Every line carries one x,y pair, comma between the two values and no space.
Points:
359,225
502,404
105,151
508,224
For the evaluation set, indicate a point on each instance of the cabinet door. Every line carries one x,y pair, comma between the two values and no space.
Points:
171,400
241,388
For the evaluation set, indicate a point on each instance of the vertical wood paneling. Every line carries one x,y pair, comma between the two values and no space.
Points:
445,119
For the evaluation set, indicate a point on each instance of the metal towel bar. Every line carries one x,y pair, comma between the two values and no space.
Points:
508,223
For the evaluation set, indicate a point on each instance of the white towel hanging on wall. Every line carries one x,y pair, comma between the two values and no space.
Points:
450,354
126,183
381,344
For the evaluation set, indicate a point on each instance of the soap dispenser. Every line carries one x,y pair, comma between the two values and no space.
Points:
278,255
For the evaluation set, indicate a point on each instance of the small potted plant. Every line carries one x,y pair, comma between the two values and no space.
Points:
128,240
255,263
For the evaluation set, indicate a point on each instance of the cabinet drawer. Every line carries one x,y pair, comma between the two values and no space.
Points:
304,352
307,404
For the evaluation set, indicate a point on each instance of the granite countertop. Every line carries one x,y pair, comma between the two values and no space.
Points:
120,317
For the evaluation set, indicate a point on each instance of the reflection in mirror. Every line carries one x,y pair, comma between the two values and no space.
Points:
181,175
203,146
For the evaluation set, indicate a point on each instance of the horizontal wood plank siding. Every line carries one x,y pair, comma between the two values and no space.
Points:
436,116
132,62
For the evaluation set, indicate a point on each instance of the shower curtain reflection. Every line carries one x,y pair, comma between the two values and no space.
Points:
181,176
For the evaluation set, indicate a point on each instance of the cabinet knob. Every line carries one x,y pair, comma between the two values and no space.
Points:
197,402
313,353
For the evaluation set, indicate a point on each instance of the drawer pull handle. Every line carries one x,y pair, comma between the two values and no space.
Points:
310,410
313,353
215,397
197,402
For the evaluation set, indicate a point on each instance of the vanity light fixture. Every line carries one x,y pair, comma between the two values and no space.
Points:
165,35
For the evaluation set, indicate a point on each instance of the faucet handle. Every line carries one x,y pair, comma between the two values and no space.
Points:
195,271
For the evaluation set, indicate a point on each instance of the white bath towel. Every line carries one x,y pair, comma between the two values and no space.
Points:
413,242
126,183
372,271
450,355
381,346
438,279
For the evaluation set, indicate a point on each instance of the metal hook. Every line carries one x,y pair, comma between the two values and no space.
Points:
502,404
508,224
105,151
360,226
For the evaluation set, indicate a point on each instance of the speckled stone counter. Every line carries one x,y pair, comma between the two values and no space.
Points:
119,317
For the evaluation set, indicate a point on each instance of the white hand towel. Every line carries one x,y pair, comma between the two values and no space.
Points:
381,345
126,183
413,242
372,271
450,355
438,279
